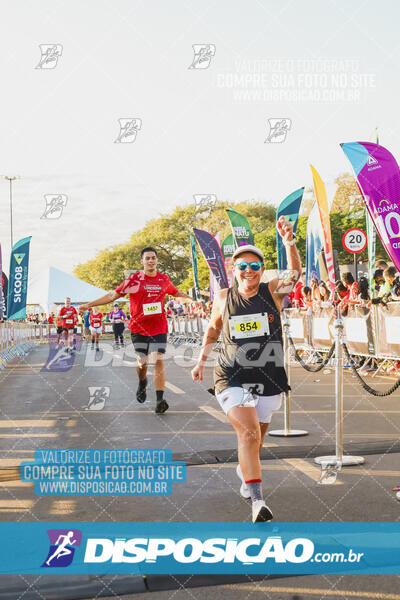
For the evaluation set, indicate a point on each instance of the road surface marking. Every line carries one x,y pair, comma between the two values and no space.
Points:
62,507
174,388
28,435
15,505
217,414
284,466
316,592
26,423
307,468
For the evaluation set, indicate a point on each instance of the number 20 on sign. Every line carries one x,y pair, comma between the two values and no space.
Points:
354,240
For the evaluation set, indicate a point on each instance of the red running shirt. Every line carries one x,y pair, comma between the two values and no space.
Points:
146,299
95,319
69,316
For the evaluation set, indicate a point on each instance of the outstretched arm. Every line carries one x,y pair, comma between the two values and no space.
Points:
110,297
211,335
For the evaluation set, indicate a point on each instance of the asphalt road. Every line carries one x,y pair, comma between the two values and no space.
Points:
40,409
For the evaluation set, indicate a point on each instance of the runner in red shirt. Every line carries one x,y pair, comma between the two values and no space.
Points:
96,321
69,317
148,324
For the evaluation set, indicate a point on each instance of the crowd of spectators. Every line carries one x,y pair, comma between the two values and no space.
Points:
383,288
189,309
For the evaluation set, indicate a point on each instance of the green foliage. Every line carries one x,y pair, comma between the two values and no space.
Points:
169,234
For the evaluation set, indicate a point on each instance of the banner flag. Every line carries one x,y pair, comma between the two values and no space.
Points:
228,246
213,255
288,208
2,312
194,264
4,287
378,177
242,234
322,202
314,244
18,281
371,231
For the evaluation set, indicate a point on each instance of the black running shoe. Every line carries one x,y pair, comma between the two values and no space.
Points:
161,407
141,391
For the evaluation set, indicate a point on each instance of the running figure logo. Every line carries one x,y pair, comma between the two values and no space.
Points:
278,129
97,398
50,53
205,200
203,54
128,129
55,203
63,543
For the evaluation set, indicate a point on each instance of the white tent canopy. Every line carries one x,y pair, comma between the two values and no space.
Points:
52,286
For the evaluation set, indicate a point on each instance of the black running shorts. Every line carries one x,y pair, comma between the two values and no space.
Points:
145,344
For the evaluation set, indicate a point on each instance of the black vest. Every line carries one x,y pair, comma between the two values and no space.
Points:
255,362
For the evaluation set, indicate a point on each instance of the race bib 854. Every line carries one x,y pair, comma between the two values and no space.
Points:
247,326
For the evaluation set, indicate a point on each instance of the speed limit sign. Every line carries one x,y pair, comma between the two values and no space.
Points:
354,240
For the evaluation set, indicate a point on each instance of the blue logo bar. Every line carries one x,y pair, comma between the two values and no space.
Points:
212,548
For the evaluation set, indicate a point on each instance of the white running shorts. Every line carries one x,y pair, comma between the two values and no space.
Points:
238,396
94,330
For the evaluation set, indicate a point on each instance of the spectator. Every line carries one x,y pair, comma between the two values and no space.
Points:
392,281
342,296
381,264
363,292
376,282
351,286
296,295
325,294
307,299
315,295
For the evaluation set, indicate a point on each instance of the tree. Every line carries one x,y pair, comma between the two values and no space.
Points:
169,234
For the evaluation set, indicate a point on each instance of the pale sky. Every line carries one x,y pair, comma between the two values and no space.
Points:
202,130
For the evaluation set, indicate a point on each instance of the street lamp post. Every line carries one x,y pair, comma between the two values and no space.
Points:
11,179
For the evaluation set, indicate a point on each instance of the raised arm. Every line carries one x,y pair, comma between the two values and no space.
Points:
285,229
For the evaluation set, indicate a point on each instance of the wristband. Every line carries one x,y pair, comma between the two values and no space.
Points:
291,243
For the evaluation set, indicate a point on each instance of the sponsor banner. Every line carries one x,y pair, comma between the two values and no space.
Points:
322,328
18,282
388,327
288,208
194,264
378,177
314,244
371,237
299,325
4,287
228,246
210,548
323,208
213,256
241,230
358,330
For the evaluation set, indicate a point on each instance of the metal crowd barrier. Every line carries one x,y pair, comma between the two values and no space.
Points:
16,339
373,333
183,329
